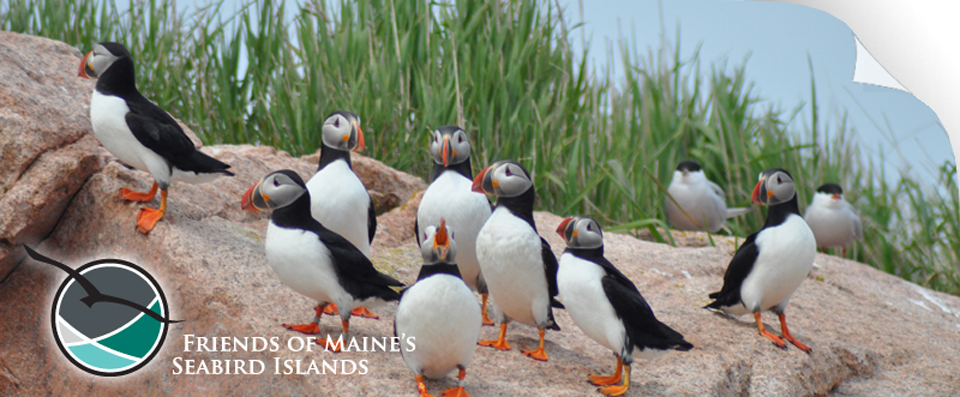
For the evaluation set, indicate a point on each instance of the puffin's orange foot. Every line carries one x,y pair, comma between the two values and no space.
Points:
131,195
422,388
457,392
614,390
331,309
309,329
147,219
799,345
332,346
363,312
600,380
539,354
487,320
776,339
499,344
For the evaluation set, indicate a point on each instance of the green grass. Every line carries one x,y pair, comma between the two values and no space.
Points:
504,71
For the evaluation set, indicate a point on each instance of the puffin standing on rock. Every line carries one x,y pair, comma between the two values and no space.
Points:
339,200
450,196
770,265
440,312
607,306
311,259
517,264
697,203
139,133
832,219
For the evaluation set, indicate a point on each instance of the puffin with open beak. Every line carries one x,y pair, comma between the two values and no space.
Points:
440,312
339,200
772,263
311,259
450,196
607,306
834,222
139,133
696,203
517,264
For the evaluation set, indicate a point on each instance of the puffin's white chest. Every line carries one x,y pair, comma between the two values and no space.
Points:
581,291
785,258
304,264
108,118
510,256
464,211
339,201
442,315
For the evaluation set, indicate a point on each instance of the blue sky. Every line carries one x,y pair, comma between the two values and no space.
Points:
778,39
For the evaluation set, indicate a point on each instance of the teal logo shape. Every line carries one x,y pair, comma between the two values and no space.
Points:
109,316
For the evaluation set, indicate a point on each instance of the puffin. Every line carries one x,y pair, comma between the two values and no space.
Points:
339,200
139,133
694,201
772,263
607,306
450,195
834,222
314,261
517,264
440,312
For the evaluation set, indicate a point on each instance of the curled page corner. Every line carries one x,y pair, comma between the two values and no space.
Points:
868,71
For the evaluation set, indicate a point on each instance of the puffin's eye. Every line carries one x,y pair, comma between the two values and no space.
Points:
460,139
779,180
276,183
508,173
336,123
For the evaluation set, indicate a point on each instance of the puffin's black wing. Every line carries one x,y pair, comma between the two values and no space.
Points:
550,267
356,272
642,327
737,271
159,132
416,230
371,220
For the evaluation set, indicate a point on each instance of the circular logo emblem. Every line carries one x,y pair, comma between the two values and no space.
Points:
110,317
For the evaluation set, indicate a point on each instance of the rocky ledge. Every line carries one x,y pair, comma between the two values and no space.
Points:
871,333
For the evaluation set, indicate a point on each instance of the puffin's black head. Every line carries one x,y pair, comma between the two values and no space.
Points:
775,187
505,178
276,190
831,189
688,167
341,131
581,232
450,145
96,62
438,245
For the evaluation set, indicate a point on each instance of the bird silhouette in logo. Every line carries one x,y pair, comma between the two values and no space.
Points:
93,294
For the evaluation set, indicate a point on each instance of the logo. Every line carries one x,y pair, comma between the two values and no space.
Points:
109,316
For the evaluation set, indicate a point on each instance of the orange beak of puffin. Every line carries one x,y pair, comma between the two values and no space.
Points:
445,151
360,143
441,241
478,181
83,63
563,228
755,199
247,202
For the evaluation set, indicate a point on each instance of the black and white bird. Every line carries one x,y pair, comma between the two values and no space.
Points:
139,133
772,263
449,196
339,200
440,313
607,306
696,201
311,259
519,268
832,219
